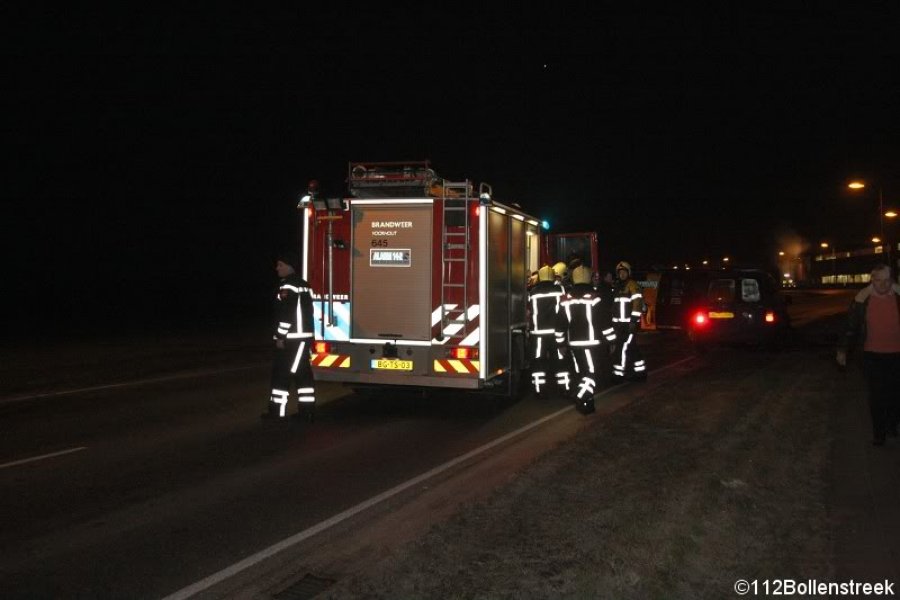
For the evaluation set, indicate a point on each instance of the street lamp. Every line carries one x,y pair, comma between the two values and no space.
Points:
859,185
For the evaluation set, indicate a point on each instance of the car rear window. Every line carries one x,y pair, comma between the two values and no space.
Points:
724,290
721,290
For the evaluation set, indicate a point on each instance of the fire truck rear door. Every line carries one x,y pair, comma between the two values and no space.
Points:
392,269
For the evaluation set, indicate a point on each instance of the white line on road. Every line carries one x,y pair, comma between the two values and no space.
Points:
284,544
42,457
97,388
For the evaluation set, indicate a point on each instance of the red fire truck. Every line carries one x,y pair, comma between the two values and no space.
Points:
421,282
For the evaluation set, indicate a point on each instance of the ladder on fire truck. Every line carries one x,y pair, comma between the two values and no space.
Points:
455,323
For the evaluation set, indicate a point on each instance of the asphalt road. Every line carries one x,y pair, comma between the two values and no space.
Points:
146,485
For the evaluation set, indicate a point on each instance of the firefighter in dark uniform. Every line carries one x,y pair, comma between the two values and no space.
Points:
584,324
293,338
543,305
629,302
563,375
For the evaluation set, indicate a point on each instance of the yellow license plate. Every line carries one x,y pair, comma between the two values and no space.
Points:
392,364
721,315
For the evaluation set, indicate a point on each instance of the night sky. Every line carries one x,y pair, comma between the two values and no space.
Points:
157,157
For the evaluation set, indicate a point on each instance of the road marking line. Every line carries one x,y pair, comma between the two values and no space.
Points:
42,457
110,386
254,559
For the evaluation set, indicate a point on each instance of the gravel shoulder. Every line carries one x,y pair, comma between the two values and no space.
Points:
726,475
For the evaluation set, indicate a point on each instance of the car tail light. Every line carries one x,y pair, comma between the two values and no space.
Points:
463,353
770,316
700,319
322,347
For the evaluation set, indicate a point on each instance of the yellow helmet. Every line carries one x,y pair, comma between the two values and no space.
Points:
623,265
581,275
560,269
545,273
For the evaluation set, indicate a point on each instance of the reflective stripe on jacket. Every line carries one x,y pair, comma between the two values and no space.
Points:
293,309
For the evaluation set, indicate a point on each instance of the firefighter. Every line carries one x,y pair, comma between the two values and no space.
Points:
585,325
293,338
560,273
629,302
543,305
562,373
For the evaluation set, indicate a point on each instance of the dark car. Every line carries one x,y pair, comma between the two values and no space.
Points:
739,306
678,294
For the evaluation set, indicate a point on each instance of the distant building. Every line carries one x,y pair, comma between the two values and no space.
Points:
847,267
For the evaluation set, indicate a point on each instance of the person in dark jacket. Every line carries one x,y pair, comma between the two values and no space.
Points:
873,325
604,286
584,324
543,305
293,337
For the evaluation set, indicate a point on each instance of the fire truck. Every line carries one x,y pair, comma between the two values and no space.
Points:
421,282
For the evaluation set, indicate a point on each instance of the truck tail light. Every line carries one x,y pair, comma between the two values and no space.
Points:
322,347
463,353
770,316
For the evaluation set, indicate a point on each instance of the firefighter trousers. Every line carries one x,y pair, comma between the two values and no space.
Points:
593,369
548,369
291,368
629,361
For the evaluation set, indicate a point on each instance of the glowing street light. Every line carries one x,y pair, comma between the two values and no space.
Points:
859,185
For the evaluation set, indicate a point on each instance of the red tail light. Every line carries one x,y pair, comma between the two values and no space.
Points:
322,347
700,319
464,353
770,316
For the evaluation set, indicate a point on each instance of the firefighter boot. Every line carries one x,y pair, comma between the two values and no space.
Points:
271,412
306,413
585,407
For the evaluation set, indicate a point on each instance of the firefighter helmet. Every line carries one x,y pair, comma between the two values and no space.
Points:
623,265
559,269
581,275
545,273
